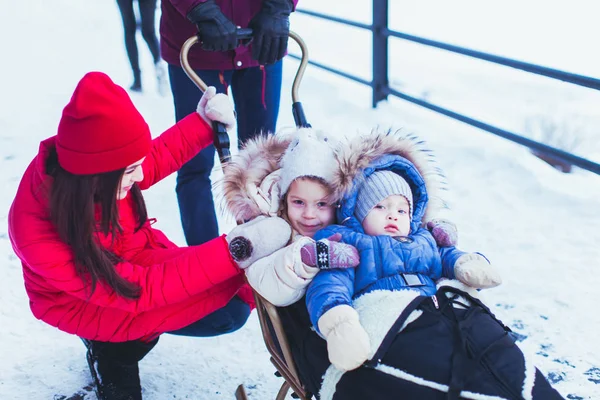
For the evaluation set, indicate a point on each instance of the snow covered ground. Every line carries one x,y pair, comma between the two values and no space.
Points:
539,226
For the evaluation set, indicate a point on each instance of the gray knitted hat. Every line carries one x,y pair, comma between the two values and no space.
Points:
378,186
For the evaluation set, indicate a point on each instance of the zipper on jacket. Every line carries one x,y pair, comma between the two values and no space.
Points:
377,259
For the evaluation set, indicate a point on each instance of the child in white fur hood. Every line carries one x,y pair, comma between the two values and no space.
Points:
294,176
288,176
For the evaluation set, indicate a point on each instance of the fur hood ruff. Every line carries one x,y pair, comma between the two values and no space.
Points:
361,151
249,184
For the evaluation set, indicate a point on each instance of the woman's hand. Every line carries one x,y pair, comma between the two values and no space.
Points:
215,106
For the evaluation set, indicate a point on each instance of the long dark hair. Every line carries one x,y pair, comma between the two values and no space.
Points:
73,200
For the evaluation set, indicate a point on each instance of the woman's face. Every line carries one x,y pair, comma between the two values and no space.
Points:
308,207
133,174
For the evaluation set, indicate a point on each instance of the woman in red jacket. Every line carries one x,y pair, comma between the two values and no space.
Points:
92,263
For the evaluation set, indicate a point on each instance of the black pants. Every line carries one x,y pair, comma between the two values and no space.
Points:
147,11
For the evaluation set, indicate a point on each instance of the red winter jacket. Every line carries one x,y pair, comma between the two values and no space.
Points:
178,285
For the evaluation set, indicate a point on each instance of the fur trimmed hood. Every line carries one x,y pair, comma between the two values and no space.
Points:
249,186
255,180
403,153
250,179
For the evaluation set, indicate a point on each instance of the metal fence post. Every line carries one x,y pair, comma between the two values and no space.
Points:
380,50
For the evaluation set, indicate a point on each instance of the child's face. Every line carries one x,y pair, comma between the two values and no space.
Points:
390,217
133,173
308,208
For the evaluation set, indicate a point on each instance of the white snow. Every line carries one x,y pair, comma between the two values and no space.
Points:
539,226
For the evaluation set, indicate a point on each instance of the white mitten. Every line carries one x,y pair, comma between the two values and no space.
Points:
216,107
266,196
474,270
348,343
257,239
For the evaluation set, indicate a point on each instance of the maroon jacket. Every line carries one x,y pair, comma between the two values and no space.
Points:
175,29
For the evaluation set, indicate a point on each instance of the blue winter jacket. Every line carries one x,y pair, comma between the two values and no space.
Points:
386,263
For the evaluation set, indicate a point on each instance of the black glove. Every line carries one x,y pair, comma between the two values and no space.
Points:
215,31
271,27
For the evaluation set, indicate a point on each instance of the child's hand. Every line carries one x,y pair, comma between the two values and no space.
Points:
443,231
474,270
257,239
216,107
348,343
329,253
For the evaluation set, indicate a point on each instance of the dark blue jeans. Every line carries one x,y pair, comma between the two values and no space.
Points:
256,93
225,320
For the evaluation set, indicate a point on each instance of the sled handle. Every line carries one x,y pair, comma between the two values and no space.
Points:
242,34
245,34
297,110
221,138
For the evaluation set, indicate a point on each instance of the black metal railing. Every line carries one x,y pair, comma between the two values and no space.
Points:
381,88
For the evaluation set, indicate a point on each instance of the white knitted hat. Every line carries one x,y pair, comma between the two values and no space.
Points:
378,186
309,154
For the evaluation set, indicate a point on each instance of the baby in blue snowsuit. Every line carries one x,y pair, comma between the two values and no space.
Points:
381,216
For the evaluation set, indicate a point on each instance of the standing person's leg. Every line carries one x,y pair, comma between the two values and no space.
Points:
194,194
147,16
129,29
256,93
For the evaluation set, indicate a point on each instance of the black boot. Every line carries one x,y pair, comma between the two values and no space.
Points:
136,86
114,367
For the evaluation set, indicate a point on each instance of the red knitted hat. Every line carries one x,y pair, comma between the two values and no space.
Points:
100,129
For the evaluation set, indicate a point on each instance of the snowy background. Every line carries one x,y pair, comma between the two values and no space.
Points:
539,226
